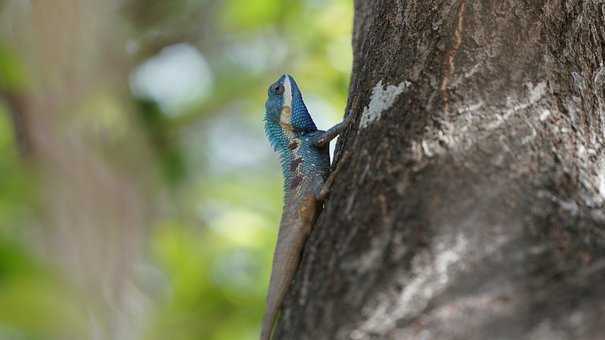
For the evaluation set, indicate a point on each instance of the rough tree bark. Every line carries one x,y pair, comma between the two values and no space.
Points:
473,204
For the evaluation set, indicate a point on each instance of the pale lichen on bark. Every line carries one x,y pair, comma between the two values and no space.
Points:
382,99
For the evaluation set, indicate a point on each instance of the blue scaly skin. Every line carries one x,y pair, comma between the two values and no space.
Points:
305,163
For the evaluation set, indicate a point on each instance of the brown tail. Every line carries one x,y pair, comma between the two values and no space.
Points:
268,322
294,228
285,261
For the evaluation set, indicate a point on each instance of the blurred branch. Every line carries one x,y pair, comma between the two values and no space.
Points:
17,108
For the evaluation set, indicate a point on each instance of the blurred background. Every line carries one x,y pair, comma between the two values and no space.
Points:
138,196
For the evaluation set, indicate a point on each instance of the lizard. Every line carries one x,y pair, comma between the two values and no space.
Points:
305,162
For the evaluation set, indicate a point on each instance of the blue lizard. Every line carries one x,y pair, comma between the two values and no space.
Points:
305,163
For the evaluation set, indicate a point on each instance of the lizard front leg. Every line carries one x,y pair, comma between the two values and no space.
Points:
327,136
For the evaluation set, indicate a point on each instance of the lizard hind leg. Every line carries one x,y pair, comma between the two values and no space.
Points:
324,190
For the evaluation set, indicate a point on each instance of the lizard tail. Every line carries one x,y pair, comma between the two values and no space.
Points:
267,327
281,278
293,231
285,261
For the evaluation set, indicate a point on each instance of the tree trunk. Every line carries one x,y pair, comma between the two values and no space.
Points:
473,204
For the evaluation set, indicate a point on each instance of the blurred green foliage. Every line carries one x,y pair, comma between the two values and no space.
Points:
12,72
200,69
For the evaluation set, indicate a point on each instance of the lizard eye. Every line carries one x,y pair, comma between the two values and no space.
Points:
277,89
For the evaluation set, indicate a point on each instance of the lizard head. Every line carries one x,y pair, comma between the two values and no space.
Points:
286,115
